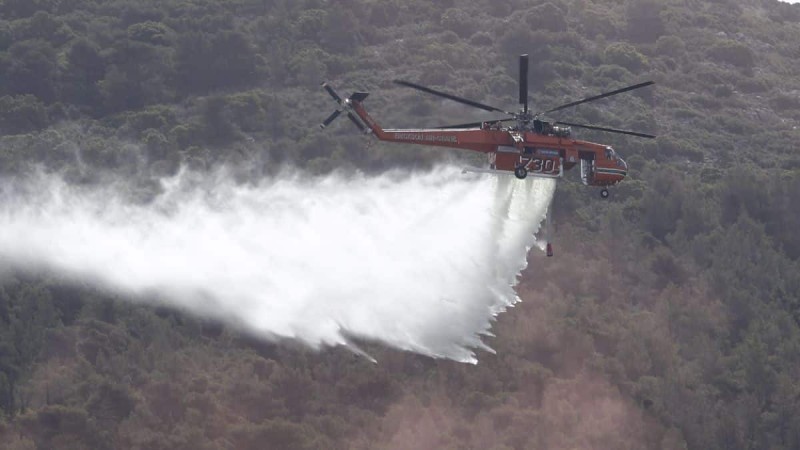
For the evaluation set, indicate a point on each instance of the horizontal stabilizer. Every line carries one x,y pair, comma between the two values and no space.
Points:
358,96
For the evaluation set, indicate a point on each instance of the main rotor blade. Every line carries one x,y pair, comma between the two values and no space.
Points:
608,130
598,97
461,125
523,82
472,124
450,96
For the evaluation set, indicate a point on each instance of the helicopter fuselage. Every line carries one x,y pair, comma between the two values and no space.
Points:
545,153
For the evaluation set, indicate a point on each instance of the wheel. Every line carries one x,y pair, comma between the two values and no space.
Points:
604,193
521,172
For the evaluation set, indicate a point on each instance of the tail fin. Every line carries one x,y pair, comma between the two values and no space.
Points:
345,106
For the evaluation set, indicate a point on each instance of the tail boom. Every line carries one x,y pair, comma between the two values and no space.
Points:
474,139
469,139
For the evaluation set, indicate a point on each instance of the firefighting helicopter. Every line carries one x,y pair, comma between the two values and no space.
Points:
529,145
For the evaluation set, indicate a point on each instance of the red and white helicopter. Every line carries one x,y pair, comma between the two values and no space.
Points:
526,146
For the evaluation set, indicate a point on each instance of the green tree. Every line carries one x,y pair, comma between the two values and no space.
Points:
207,62
25,8
59,427
33,69
597,20
85,68
625,55
276,433
734,53
22,114
662,204
546,17
308,67
9,375
138,76
342,31
45,26
150,32
459,21
6,35
218,123
644,22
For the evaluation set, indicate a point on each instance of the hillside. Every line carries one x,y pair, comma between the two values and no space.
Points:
667,320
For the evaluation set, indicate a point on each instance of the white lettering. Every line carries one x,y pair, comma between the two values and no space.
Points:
426,137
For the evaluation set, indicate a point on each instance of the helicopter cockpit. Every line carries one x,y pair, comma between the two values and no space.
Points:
612,156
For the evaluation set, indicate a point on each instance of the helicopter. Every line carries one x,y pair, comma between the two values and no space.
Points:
528,146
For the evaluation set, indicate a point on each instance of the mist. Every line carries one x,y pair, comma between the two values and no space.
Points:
419,261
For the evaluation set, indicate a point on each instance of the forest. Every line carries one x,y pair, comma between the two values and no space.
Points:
669,318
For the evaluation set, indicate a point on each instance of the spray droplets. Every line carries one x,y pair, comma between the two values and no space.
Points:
421,262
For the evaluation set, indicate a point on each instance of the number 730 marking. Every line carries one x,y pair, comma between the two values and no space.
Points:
542,165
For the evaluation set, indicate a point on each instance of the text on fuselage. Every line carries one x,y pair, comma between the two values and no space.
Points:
424,137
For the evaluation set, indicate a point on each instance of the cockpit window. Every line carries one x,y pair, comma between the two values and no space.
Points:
610,154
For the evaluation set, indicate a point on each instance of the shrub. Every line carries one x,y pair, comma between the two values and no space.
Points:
786,102
546,17
308,67
732,52
21,114
598,21
625,55
670,46
644,20
149,32
481,38
459,21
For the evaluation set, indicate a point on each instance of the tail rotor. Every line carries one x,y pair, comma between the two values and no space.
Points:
345,105
338,111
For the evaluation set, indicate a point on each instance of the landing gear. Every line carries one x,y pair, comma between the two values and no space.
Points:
521,172
604,193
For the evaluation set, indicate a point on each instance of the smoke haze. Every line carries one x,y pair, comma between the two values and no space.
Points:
420,261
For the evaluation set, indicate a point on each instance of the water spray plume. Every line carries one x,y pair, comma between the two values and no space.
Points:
421,261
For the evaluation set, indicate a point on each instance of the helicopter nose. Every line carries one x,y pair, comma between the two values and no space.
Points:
622,171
